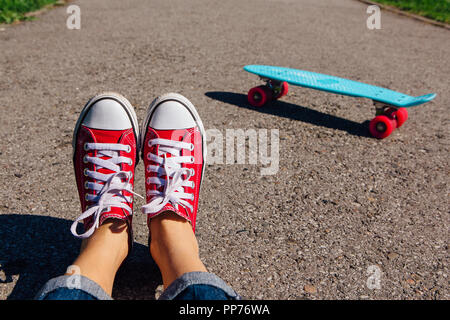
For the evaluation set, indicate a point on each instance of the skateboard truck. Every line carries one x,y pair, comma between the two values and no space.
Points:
275,85
383,108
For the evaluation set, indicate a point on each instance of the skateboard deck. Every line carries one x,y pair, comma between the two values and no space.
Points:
338,85
387,102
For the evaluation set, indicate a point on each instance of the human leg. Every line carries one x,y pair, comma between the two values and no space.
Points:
174,247
105,146
174,153
103,253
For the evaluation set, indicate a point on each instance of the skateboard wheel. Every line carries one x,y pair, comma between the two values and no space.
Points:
382,126
402,115
284,88
259,96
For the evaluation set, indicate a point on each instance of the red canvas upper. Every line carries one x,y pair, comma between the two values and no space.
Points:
191,135
88,135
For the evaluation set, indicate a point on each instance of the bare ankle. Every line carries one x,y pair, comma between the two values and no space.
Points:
174,246
170,232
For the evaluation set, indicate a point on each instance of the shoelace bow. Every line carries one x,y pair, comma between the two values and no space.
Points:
174,181
110,192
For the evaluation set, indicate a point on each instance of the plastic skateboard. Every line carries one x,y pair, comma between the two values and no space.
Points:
390,106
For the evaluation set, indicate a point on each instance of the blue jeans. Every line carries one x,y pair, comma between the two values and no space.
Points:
190,286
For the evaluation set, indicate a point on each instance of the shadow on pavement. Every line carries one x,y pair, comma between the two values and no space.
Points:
34,249
296,112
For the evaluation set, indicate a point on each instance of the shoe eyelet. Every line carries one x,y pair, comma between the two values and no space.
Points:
192,172
148,169
85,171
128,149
85,159
148,156
193,185
130,163
148,181
191,147
86,197
85,147
86,184
192,159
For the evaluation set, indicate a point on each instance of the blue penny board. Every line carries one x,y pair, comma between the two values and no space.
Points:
338,85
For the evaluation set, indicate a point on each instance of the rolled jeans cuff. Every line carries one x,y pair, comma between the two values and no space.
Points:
195,278
78,282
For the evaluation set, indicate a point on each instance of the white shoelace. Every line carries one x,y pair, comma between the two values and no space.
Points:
110,193
176,177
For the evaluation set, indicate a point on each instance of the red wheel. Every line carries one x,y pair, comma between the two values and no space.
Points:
402,115
382,126
284,88
259,96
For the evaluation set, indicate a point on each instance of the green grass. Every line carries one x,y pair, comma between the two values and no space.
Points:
15,10
438,10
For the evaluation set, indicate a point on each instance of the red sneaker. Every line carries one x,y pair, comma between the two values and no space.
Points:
174,151
105,155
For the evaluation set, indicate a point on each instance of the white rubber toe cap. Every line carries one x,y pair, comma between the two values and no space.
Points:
107,114
171,115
